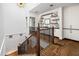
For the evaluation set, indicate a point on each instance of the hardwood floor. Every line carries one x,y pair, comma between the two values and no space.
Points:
65,48
15,53
60,48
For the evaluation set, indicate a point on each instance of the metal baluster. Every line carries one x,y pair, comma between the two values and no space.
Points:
49,36
70,28
53,35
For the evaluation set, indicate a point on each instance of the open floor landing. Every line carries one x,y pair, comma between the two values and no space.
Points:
63,47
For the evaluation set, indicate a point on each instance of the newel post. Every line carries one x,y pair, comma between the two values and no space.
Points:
38,40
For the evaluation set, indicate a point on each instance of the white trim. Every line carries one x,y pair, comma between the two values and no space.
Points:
2,45
14,34
10,52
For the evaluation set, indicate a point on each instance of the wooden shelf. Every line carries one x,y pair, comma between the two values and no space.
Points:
53,23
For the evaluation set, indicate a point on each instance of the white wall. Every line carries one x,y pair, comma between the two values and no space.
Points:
14,18
15,23
1,26
13,43
71,17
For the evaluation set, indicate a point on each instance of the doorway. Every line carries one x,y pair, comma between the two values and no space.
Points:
32,24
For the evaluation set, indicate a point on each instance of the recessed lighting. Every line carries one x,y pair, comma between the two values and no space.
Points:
51,5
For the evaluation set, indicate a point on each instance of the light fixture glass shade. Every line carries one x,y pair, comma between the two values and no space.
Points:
21,4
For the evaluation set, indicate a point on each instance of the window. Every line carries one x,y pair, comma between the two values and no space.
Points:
47,21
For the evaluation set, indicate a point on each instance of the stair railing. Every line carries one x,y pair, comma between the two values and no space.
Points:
38,37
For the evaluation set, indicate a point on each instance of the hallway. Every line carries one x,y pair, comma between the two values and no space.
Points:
56,27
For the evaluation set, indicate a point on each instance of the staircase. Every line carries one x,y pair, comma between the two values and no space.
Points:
27,47
30,46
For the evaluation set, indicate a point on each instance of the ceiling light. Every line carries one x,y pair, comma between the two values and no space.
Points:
21,4
51,5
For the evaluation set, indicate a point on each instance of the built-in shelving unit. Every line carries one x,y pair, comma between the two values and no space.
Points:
52,21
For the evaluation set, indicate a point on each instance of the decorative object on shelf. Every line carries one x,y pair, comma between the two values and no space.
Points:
54,14
10,36
20,34
55,19
21,5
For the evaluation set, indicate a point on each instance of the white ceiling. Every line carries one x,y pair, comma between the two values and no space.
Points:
30,6
43,7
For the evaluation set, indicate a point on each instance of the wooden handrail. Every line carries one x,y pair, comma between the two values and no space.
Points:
71,28
21,46
38,37
27,39
45,28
